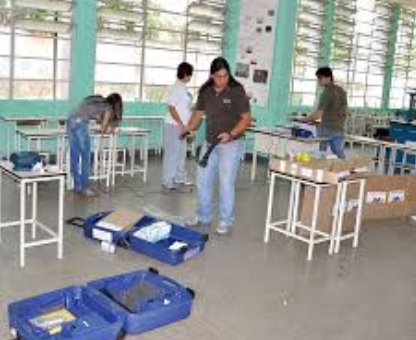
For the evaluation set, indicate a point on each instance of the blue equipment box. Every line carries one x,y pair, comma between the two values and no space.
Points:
149,300
73,313
162,251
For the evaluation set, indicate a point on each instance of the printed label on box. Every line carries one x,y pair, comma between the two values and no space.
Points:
352,205
376,197
306,172
102,235
396,196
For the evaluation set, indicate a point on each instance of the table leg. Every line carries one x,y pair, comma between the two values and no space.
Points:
61,218
295,210
34,208
269,209
335,216
358,221
290,209
340,217
311,243
253,165
22,222
133,156
146,157
1,208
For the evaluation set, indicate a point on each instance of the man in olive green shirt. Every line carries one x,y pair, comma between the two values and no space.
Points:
332,111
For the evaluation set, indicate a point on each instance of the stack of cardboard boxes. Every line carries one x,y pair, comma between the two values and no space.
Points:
386,196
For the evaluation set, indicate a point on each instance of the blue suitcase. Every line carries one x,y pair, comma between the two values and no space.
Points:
92,316
150,300
195,243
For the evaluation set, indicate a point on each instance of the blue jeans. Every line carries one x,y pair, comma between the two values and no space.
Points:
225,160
174,156
80,153
336,141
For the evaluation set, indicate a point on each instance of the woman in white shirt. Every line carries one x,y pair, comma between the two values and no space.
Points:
174,153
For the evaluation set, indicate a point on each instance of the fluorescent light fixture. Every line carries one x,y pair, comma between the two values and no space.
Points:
116,14
48,5
119,34
43,26
203,27
199,9
204,45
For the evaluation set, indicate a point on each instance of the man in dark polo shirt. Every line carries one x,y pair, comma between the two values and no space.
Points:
223,102
332,110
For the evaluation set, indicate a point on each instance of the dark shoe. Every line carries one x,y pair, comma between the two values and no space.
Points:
200,226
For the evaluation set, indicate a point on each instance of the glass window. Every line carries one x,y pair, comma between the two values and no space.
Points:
404,75
40,65
155,39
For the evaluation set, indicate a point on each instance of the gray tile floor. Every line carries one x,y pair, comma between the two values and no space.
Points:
245,289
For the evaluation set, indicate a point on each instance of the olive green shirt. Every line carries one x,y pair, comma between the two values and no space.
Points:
334,105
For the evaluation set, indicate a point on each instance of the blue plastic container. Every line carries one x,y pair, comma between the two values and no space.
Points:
96,316
160,250
93,231
149,300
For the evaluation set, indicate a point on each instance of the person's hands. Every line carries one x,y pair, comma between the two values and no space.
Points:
225,137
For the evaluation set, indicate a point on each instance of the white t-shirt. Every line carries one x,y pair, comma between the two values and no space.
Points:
181,99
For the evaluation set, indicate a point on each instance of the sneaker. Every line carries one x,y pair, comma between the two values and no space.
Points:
185,184
200,225
88,193
223,229
168,187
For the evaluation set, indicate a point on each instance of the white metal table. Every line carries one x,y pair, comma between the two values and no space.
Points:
30,180
290,225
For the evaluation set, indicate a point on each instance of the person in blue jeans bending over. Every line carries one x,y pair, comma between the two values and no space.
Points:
224,103
332,110
105,110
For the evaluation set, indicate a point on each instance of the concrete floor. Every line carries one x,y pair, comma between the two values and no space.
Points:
245,289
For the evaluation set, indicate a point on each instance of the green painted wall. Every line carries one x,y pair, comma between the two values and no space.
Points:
278,106
394,26
83,50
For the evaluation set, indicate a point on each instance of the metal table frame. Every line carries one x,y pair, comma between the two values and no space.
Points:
29,181
290,225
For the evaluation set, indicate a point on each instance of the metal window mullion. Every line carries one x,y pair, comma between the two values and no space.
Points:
143,62
12,49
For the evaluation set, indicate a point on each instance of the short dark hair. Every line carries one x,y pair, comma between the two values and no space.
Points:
116,104
325,72
184,70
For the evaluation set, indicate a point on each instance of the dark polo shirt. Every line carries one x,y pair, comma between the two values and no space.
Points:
222,110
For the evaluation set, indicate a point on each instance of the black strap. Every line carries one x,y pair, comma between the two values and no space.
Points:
204,160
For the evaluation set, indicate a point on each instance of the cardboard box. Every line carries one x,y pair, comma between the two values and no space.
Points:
321,170
386,197
120,219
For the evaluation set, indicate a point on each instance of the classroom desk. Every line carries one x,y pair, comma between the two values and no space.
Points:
29,181
99,142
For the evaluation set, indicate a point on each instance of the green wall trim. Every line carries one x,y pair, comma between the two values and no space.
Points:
328,28
391,50
232,19
279,94
83,50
